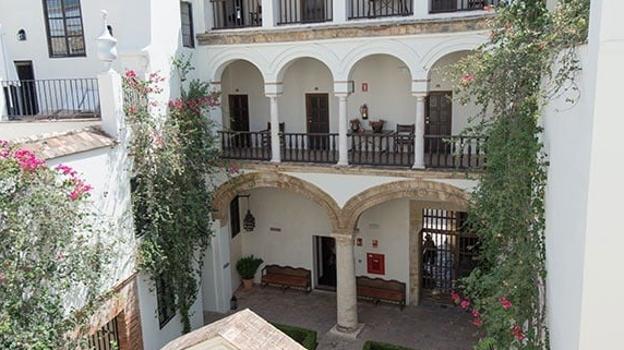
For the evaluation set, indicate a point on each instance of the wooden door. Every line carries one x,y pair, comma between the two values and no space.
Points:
438,121
317,116
239,119
312,10
27,96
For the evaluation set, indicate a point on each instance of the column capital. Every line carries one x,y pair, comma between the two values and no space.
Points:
342,238
273,88
341,95
419,94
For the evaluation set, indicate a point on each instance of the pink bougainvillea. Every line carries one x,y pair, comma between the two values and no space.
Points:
506,304
455,297
27,160
465,304
516,330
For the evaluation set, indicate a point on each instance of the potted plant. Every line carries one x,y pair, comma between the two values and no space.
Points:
377,125
247,267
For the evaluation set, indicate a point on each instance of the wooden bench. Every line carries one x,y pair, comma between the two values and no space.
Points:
377,289
287,277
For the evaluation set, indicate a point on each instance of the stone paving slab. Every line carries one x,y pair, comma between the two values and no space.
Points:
426,327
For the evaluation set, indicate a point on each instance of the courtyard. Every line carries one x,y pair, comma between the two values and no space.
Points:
428,326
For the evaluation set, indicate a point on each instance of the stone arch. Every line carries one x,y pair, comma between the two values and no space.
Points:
284,60
220,62
393,48
410,189
447,47
227,191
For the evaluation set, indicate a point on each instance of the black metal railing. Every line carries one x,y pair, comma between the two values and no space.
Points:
438,6
309,147
236,13
386,149
454,152
379,8
304,11
51,98
252,145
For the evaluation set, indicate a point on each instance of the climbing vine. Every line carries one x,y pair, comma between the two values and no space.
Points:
511,77
173,158
53,258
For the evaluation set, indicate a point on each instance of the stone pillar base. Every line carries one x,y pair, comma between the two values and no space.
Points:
347,333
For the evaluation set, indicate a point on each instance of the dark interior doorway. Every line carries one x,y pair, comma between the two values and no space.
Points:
239,119
317,116
438,120
23,96
325,256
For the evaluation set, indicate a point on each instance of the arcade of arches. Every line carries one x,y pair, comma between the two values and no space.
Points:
386,220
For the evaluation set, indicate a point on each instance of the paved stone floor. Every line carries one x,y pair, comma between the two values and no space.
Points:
425,327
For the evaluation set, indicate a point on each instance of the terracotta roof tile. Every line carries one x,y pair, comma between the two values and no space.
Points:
52,146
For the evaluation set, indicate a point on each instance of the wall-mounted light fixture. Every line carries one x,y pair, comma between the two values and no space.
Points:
364,111
249,221
21,35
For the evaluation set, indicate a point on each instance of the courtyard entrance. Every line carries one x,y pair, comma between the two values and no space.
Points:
449,252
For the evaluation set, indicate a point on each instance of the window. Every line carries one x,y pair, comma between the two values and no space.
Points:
234,217
165,298
64,27
186,10
106,338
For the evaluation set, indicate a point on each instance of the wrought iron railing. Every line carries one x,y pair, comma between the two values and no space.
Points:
304,11
454,152
438,6
385,148
51,98
252,145
309,147
379,8
229,14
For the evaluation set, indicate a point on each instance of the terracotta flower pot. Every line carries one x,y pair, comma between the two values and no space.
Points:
248,283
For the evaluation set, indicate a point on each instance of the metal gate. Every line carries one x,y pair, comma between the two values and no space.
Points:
449,252
106,338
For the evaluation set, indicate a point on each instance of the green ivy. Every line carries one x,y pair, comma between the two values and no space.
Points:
173,159
511,77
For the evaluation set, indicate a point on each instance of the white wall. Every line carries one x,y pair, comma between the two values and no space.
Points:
388,223
299,219
243,78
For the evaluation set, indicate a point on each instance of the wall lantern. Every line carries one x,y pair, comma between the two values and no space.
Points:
21,35
249,222
364,111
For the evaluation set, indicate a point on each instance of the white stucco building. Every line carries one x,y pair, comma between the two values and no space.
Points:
303,84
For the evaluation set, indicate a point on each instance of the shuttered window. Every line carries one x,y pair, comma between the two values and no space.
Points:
186,10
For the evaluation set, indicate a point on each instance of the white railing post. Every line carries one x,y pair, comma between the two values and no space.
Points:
421,8
270,12
110,91
419,134
275,137
343,150
339,14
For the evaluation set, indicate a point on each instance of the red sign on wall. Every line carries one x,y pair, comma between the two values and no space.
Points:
376,263
364,87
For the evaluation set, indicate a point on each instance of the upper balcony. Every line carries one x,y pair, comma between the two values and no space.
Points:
275,14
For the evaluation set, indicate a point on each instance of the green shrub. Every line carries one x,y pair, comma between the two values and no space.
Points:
247,266
305,337
372,345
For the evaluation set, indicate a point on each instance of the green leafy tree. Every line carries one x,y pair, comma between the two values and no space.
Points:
52,261
511,77
173,160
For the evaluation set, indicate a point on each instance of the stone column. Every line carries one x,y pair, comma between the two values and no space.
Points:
269,13
111,102
346,293
275,140
419,135
4,113
343,150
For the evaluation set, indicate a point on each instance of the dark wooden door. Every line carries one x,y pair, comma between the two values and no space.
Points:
27,91
438,121
239,119
312,10
317,116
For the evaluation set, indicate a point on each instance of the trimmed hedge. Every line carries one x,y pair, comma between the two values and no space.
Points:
372,345
305,337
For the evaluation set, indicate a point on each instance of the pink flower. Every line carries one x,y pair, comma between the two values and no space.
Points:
66,170
455,297
477,322
80,189
27,160
475,313
505,303
467,79
487,8
465,304
131,74
233,170
517,332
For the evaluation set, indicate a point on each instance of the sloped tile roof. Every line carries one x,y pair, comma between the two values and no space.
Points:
243,330
52,146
